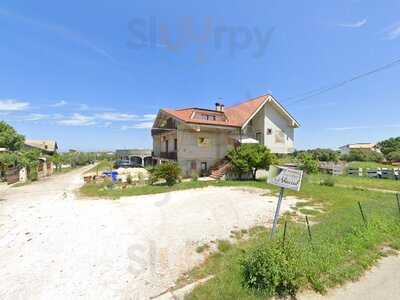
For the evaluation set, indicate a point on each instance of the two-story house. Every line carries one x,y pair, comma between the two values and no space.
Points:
199,138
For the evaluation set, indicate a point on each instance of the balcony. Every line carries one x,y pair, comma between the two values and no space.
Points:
169,155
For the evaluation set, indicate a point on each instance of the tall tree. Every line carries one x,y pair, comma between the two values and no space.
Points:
389,145
10,138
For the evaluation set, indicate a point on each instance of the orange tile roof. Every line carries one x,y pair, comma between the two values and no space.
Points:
235,116
239,114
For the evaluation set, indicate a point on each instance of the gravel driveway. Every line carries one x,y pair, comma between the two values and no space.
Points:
56,246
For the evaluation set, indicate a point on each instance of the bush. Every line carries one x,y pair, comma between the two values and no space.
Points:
310,165
272,270
363,155
202,248
129,179
168,171
394,156
141,179
33,175
195,176
250,158
328,181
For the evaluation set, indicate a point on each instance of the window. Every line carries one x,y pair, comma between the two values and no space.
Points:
175,144
280,137
209,117
269,131
203,166
202,141
166,146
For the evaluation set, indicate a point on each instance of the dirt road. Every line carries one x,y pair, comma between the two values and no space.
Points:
54,245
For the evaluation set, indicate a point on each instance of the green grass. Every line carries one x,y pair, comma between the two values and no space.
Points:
363,182
223,245
342,247
308,211
98,189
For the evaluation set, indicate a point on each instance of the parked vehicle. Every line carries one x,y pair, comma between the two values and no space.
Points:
127,164
122,164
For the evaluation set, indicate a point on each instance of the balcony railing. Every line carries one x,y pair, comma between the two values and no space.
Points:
168,155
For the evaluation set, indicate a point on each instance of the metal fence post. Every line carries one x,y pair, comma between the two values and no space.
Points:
276,217
309,229
284,234
362,213
398,201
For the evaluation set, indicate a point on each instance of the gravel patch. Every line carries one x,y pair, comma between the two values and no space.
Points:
53,247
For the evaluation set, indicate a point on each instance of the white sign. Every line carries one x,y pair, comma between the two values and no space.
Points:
285,177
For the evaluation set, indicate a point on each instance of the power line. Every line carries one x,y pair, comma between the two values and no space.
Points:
316,92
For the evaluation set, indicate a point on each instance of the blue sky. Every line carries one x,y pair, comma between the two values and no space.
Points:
92,74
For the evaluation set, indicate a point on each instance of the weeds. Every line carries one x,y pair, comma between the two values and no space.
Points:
342,248
202,248
223,245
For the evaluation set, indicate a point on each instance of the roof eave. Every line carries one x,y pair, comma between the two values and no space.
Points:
295,124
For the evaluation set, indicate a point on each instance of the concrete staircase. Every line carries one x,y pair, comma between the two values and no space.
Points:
220,169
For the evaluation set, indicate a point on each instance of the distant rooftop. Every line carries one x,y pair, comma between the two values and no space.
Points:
45,145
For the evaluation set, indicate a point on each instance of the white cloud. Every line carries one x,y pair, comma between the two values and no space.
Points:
59,104
349,128
142,125
358,24
150,117
77,120
13,105
392,32
34,117
57,116
111,116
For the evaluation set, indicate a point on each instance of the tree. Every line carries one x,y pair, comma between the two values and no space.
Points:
57,159
394,156
9,137
363,155
389,145
325,154
8,159
250,158
30,160
310,165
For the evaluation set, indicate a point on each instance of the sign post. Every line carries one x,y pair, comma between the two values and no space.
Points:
285,178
